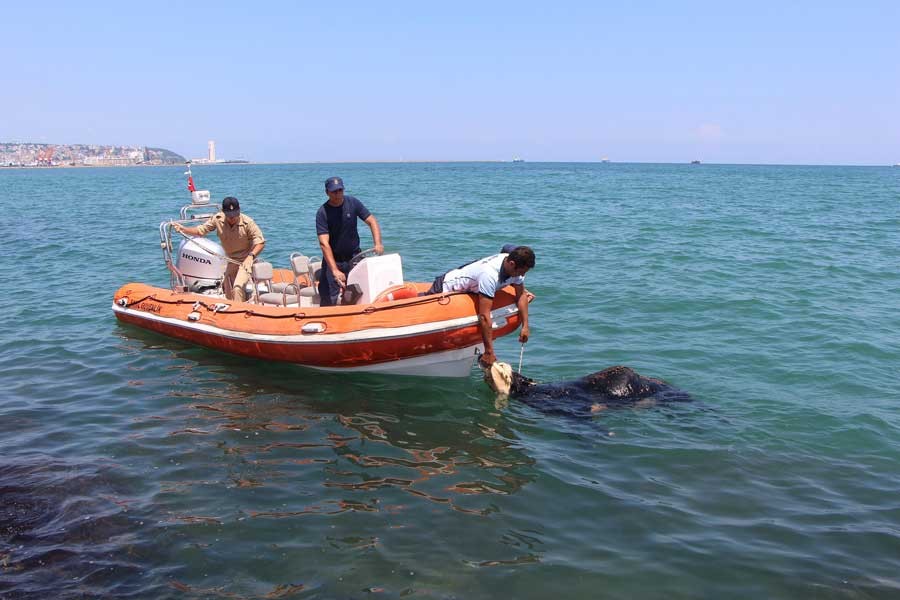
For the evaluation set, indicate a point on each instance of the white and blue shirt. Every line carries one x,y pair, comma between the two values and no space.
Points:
483,276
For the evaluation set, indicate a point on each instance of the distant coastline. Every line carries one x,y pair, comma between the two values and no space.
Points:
178,160
34,155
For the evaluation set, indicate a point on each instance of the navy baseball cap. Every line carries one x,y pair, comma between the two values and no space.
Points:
333,184
231,207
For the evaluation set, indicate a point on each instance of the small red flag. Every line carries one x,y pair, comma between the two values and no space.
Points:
191,187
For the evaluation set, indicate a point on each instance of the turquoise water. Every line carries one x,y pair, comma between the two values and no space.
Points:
140,467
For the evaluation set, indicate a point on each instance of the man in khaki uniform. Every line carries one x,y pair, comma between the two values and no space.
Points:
242,240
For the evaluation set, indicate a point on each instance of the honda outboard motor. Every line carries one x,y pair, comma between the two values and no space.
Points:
202,263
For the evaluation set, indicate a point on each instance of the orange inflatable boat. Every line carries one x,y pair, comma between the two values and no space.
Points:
383,326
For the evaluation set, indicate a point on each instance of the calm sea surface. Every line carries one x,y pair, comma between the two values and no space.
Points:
134,466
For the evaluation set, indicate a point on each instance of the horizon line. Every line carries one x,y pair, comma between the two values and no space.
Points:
499,161
244,162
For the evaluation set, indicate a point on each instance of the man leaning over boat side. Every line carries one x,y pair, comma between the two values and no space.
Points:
484,277
339,238
241,239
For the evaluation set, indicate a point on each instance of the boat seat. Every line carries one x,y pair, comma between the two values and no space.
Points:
286,297
315,271
311,293
262,273
300,268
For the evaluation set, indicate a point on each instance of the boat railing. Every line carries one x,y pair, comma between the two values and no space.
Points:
195,212
176,278
198,210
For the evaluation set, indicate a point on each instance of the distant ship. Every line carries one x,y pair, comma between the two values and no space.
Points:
695,162
604,160
517,159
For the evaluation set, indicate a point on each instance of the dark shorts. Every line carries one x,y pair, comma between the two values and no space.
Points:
436,288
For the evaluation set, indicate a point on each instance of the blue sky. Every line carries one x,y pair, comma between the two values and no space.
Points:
760,82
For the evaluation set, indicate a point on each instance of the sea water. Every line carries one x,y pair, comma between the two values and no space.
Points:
135,466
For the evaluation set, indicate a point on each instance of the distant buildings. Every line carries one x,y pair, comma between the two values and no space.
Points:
27,154
83,155
210,155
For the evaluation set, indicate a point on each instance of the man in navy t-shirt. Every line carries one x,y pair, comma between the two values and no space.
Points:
339,238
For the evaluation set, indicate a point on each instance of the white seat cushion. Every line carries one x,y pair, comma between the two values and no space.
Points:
278,299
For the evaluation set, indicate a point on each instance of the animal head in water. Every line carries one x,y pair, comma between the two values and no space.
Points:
499,377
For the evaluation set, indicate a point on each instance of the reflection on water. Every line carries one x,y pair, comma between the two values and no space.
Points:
296,479
371,436
283,454
71,530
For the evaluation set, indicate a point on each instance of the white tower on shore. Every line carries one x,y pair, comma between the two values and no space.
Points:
212,150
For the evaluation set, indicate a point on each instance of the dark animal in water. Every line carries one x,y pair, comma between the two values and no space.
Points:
615,386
